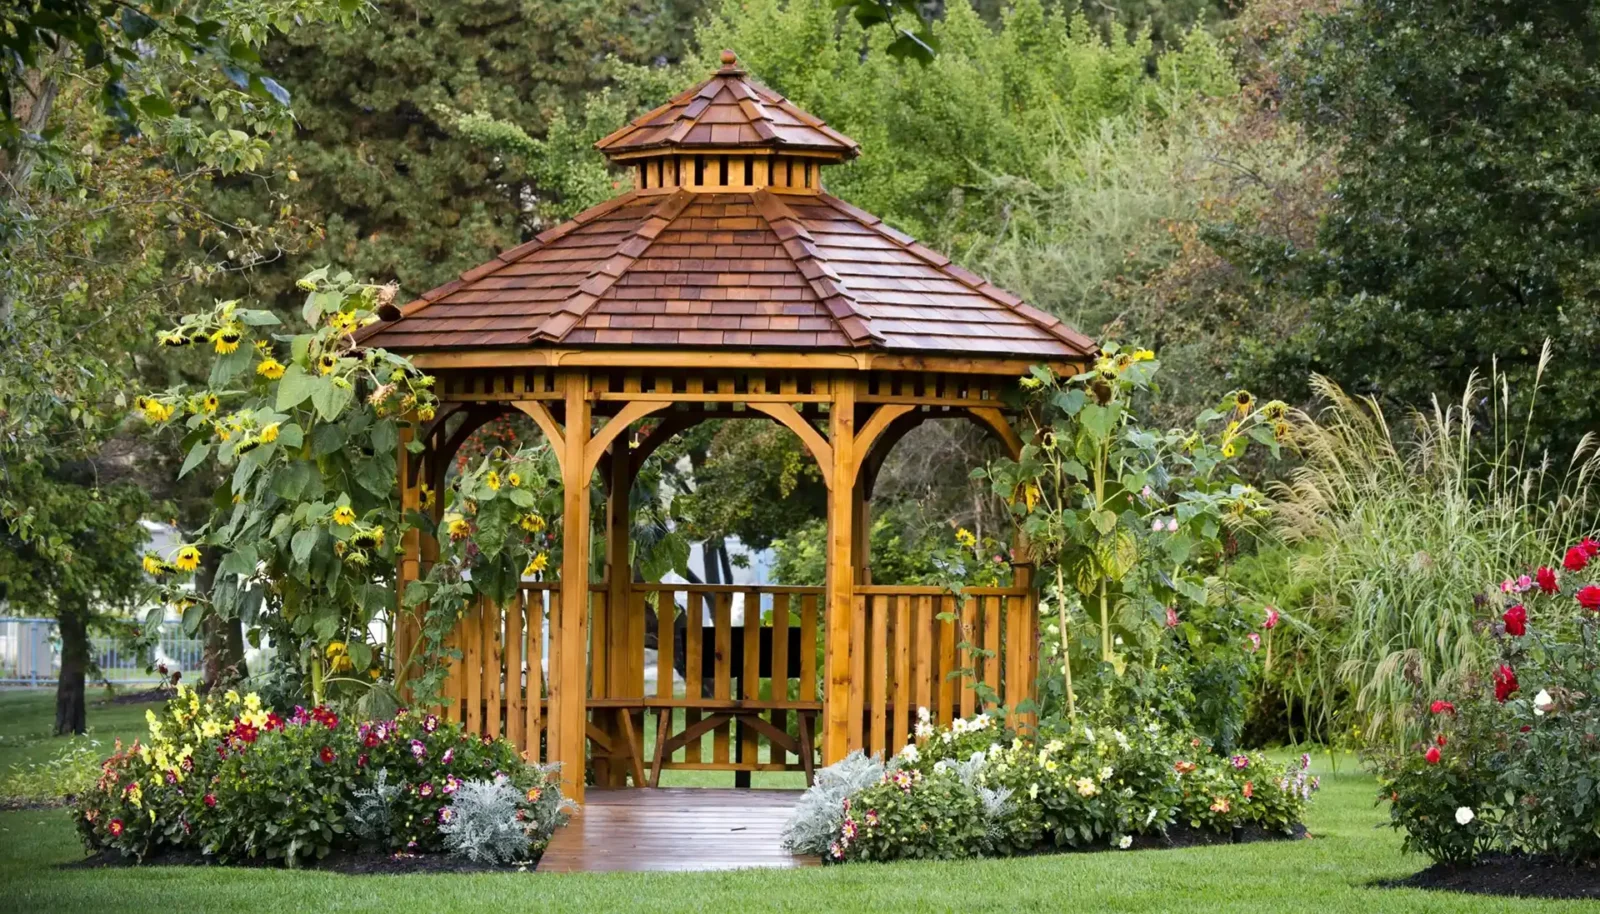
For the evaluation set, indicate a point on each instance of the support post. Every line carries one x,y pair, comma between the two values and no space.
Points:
405,630
569,650
624,667
841,733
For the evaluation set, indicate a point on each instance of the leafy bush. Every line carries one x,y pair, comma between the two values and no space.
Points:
1512,759
815,824
70,773
976,789
227,777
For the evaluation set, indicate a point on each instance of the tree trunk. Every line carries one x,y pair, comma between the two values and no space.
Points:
71,716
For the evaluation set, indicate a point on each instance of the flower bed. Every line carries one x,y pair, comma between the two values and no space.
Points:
224,779
977,789
1509,764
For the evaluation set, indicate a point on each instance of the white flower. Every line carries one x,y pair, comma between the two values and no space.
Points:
1088,734
1125,842
1033,791
1542,703
924,714
1465,815
1121,739
923,730
1105,773
910,753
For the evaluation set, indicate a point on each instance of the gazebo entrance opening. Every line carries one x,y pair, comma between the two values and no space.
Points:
727,284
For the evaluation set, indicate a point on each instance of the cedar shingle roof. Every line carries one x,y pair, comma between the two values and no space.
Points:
751,270
729,110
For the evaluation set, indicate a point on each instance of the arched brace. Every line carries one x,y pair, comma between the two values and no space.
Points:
444,451
872,462
540,414
629,414
808,435
665,431
993,421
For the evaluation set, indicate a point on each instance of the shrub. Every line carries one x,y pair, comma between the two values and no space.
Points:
227,777
818,816
1512,759
911,815
70,773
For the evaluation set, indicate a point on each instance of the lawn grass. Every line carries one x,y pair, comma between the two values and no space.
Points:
1327,875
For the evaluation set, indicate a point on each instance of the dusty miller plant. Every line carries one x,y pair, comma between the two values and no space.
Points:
482,824
820,812
369,815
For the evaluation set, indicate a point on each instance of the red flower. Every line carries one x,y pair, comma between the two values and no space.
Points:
1432,755
1441,740
1516,619
1589,598
1272,618
361,760
116,828
1590,547
326,755
1547,579
1577,559
1505,682
1440,707
211,800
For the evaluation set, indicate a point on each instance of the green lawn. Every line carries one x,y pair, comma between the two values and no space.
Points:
1326,875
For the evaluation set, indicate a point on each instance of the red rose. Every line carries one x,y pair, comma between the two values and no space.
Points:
1590,547
1589,598
1516,619
1441,707
1432,755
1547,579
1441,740
211,800
1505,683
1576,559
326,755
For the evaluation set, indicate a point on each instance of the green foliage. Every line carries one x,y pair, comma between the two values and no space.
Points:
71,772
225,776
1463,223
1394,531
911,816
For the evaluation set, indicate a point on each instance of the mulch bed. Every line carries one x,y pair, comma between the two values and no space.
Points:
354,863
1515,875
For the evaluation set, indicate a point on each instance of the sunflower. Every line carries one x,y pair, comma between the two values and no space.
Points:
188,558
344,516
457,526
270,368
154,566
210,403
1143,355
1275,410
427,496
269,433
175,339
492,480
247,445
426,414
514,479
227,339
154,410
537,564
965,537
327,362
532,523
1243,401
1230,450
367,539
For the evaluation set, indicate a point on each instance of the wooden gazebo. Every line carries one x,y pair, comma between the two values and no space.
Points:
726,284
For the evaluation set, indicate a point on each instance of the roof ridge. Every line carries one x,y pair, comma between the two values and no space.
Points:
566,315
823,279
1043,319
499,262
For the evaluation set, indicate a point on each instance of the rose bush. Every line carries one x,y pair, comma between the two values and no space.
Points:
1512,762
232,779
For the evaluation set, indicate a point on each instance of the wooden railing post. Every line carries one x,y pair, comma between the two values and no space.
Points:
569,659
841,727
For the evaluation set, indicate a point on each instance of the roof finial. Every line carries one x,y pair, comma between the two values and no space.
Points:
730,63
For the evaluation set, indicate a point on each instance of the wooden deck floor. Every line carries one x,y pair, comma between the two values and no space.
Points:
675,829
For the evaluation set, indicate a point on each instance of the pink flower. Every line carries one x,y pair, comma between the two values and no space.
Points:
1272,618
1240,762
418,749
425,789
430,724
1172,617
1255,642
448,757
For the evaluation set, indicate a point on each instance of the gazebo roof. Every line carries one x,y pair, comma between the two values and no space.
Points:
729,110
749,266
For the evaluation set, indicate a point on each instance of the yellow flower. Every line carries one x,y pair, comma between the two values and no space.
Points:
210,403
1143,355
327,362
226,340
1230,450
269,433
513,479
427,496
964,537
457,525
252,702
492,480
223,433
154,566
175,339
188,558
532,523
231,697
154,410
374,673
344,516
539,563
1242,401
426,414
270,368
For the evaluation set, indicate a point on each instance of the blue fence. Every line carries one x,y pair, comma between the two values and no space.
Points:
30,654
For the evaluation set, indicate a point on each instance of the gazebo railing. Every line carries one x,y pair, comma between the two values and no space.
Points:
730,682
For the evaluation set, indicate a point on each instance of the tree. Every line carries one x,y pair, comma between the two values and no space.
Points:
79,561
1465,226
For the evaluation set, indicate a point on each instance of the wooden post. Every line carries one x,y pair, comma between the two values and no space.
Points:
625,663
405,628
841,734
569,645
